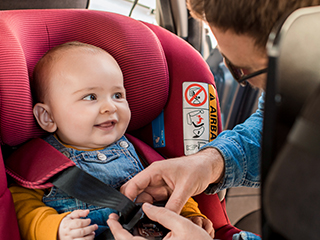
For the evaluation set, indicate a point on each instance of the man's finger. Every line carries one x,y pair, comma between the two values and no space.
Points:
144,197
177,200
164,216
197,220
207,225
117,230
114,216
134,187
150,177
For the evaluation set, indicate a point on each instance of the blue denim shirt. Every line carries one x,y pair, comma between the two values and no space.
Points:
241,148
114,165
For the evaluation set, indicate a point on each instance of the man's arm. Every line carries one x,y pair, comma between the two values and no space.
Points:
179,177
240,149
233,159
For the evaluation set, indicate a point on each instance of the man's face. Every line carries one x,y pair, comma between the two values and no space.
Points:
242,53
87,100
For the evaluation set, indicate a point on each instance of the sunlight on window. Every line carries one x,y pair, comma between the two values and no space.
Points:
143,11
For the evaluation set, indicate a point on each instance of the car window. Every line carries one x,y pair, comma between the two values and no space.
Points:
144,9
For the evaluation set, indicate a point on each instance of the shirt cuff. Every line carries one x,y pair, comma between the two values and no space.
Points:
231,168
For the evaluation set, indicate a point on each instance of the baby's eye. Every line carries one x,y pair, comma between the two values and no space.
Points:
90,97
118,95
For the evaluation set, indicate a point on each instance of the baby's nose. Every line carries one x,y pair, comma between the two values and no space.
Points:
108,106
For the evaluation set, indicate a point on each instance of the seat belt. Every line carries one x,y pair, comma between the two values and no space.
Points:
78,184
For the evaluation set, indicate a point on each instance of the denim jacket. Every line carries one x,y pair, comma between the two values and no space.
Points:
241,148
114,165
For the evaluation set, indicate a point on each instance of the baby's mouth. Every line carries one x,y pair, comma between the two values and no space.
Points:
106,125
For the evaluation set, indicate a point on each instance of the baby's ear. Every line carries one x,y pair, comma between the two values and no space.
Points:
44,118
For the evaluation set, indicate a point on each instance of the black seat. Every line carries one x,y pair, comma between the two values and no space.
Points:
291,135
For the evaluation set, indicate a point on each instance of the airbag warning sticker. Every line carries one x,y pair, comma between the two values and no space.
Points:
200,119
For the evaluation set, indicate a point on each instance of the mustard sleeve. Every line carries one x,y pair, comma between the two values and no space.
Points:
190,209
36,220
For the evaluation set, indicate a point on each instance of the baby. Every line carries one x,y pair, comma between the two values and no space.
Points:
81,100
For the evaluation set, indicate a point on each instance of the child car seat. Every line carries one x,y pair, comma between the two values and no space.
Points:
162,74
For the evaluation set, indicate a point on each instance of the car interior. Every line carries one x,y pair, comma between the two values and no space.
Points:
27,34
24,38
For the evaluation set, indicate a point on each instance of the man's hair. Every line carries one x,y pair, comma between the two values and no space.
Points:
254,18
40,83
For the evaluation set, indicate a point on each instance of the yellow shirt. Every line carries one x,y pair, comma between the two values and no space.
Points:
40,222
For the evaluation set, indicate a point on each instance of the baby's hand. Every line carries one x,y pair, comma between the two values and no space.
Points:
206,224
73,226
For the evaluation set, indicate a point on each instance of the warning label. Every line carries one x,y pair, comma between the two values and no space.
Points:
200,119
196,95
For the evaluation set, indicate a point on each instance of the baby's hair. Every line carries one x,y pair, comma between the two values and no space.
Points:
39,83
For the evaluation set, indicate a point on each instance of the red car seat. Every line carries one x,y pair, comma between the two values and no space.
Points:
161,72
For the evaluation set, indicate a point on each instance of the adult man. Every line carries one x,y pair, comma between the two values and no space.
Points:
241,28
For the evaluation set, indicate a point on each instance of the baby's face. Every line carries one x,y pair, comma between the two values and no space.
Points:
88,100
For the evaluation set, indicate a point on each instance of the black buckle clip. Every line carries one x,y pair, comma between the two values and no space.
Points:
139,214
141,225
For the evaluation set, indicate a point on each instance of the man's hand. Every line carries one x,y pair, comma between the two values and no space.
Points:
179,177
73,226
180,227
204,223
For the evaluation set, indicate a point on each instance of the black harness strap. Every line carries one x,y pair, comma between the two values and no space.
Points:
83,186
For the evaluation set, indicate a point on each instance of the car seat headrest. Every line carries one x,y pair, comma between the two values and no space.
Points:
26,35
